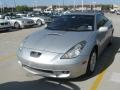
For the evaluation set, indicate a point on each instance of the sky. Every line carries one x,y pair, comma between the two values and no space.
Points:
54,2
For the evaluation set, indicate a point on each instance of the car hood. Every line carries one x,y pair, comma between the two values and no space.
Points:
32,17
55,41
23,19
2,20
44,17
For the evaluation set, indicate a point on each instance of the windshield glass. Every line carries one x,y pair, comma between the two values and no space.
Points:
33,15
24,15
1,17
15,17
73,23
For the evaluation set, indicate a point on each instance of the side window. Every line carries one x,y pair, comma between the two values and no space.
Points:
98,21
6,18
101,21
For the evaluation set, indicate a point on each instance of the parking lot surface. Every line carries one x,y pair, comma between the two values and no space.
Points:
13,77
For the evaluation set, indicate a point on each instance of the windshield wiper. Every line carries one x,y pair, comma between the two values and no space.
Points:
75,30
67,29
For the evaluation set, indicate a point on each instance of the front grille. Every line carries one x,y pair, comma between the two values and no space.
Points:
35,54
30,22
6,23
2,23
38,70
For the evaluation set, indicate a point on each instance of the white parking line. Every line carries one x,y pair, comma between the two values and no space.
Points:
115,77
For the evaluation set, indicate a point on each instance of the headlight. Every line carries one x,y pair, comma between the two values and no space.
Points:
21,47
42,20
23,21
74,51
9,23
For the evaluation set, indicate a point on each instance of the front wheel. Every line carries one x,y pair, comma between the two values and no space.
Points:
110,41
17,25
39,22
92,62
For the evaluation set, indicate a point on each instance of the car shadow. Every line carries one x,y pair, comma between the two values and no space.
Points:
42,84
10,30
105,60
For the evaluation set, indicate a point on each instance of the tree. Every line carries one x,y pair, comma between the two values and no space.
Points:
106,7
23,8
65,8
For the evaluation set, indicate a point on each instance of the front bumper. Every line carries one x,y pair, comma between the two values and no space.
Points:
5,28
56,68
55,71
27,25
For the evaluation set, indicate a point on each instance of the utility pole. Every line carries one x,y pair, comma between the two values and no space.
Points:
94,4
82,5
34,4
58,4
74,4
1,6
14,3
5,5
90,6
63,4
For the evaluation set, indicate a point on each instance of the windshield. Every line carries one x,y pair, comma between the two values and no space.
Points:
33,15
24,15
73,23
1,17
15,17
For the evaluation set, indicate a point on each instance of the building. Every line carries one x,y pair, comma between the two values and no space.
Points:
37,9
116,7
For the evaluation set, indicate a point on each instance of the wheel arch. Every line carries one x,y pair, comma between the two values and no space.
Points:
18,23
88,72
38,20
96,48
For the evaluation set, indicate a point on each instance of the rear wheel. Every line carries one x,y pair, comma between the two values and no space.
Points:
17,25
92,62
39,22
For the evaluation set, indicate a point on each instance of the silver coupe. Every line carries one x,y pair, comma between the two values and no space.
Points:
18,22
68,47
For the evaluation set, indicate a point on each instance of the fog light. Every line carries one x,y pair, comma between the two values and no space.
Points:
20,63
65,72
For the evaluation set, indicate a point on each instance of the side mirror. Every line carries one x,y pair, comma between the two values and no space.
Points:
6,18
103,29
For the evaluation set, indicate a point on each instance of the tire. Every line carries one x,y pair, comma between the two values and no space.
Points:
111,38
17,25
39,23
92,62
